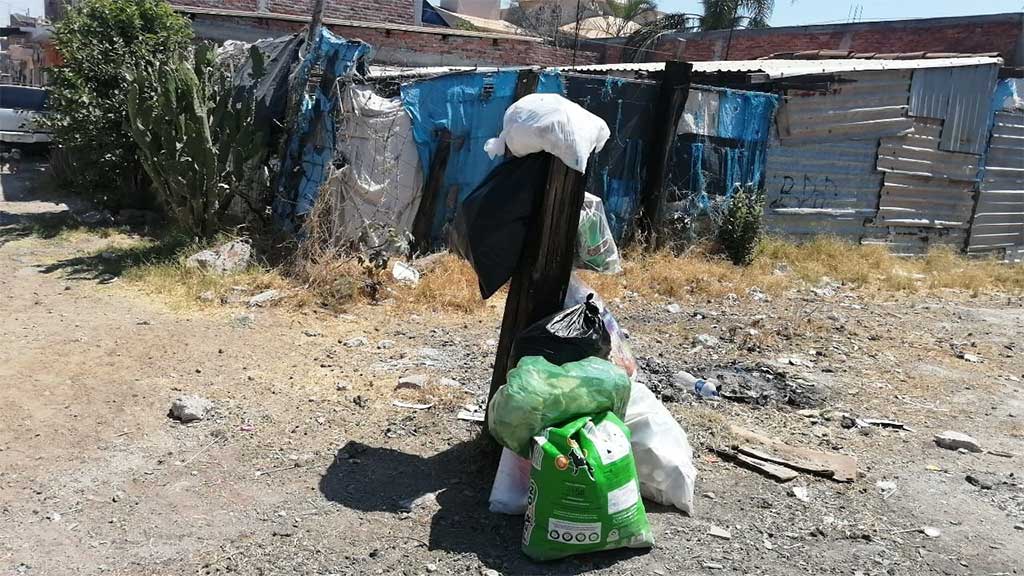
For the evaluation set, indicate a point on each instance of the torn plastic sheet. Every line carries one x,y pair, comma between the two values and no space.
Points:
310,150
381,180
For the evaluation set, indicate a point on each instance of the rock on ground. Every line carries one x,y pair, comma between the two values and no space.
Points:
190,408
231,257
956,440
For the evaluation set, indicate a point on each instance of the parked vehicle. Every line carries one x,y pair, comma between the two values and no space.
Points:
20,110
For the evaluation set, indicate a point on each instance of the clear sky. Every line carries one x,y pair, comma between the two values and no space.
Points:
33,7
796,12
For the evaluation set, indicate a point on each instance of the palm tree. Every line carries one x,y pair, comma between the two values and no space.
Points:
726,14
625,13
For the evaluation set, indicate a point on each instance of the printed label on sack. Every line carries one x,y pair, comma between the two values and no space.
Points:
537,456
574,532
623,498
609,439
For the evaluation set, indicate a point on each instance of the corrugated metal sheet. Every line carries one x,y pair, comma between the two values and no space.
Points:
961,97
924,186
821,189
859,106
783,68
999,217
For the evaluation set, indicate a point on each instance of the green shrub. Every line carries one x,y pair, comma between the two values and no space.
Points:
742,225
100,41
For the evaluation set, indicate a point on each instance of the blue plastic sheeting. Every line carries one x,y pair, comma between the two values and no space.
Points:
311,145
617,171
471,107
706,167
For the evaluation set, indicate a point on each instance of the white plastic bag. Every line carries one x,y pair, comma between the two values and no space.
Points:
550,123
664,459
511,484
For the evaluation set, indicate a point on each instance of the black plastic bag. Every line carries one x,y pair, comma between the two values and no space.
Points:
568,336
491,222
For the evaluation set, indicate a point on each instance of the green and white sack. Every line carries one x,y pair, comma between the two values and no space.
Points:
584,494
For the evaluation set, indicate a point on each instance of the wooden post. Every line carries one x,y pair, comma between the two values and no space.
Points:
423,223
675,84
541,279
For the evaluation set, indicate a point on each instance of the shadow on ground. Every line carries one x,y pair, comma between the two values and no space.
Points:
374,479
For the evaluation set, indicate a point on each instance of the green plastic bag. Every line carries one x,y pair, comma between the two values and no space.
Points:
539,394
584,494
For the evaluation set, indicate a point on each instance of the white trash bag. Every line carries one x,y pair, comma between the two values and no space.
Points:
511,484
664,460
550,123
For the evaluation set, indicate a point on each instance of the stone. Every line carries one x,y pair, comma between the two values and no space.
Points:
412,381
227,258
1019,526
310,333
801,493
244,320
355,342
431,568
265,297
673,308
489,572
190,408
931,531
713,565
385,344
450,383
951,440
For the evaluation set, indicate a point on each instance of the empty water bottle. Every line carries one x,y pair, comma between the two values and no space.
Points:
701,387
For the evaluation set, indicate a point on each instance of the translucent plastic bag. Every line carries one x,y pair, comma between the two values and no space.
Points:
539,394
621,355
664,459
570,335
511,484
595,245
550,123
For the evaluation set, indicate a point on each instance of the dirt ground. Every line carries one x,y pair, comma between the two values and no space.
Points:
306,467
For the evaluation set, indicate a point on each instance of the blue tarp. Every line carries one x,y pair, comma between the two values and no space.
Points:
311,146
471,107
705,167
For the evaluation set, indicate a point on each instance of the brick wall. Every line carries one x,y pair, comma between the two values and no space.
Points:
388,11
416,47
1000,33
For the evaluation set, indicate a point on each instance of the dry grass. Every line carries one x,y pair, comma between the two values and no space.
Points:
449,285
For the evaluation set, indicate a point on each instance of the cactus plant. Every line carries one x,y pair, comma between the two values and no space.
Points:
197,139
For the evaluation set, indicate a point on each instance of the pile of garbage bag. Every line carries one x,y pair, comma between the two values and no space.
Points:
582,441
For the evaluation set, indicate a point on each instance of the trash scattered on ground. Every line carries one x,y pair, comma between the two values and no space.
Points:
967,356
952,440
931,531
190,408
699,386
762,385
850,421
413,504
801,493
412,382
471,416
753,445
673,308
886,487
795,361
385,344
355,342
718,532
227,258
405,273
570,515
411,405
263,298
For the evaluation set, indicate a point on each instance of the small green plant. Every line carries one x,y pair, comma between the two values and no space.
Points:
742,225
99,41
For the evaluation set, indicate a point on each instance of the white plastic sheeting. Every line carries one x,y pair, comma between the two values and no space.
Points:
381,182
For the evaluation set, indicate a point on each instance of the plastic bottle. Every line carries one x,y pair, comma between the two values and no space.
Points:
700,387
